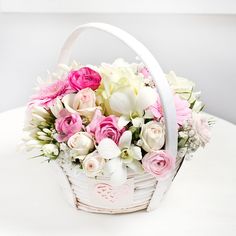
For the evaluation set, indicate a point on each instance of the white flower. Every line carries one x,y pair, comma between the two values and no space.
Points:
81,142
93,164
51,151
56,107
152,136
201,127
183,87
132,104
120,157
83,102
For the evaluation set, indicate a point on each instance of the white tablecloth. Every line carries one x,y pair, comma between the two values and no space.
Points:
201,201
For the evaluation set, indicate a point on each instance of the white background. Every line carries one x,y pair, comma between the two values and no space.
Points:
201,47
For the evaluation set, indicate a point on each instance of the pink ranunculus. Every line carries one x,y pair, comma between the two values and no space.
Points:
47,95
183,112
67,124
201,127
84,78
159,163
105,127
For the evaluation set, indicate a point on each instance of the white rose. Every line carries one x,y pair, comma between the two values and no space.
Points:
93,164
51,151
84,102
81,142
152,136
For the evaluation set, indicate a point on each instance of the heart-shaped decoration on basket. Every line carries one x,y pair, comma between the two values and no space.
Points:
112,194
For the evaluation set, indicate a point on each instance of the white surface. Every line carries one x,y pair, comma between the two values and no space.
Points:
199,47
121,6
201,201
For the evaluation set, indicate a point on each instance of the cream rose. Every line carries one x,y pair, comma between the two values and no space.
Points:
93,164
81,142
84,102
152,136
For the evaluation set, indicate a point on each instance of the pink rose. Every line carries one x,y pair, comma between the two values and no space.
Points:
105,127
47,95
183,112
67,124
159,163
84,78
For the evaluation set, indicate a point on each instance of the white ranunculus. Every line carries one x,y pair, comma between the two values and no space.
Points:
152,136
81,142
50,150
93,164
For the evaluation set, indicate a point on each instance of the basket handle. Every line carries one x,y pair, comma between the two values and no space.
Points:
156,72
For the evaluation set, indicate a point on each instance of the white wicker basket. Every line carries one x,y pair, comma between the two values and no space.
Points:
141,191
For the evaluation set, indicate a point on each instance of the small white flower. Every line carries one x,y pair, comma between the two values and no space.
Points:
120,156
152,136
51,151
81,142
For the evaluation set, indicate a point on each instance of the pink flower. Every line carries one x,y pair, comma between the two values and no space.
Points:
67,124
201,128
159,164
145,72
183,112
105,127
84,78
47,95
84,102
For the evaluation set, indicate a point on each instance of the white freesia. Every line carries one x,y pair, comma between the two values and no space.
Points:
131,104
81,142
152,136
93,164
50,150
120,156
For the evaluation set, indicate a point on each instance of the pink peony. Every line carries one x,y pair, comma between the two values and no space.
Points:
159,163
67,124
183,112
84,78
47,95
105,127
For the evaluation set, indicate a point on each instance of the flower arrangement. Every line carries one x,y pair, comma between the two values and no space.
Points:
108,119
